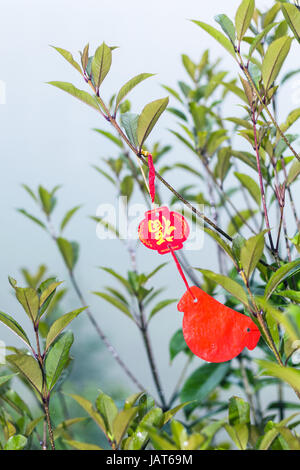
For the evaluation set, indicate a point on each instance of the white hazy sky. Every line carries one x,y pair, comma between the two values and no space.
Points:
46,138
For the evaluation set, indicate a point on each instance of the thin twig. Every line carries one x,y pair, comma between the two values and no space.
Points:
179,382
262,102
149,351
97,328
247,389
261,183
103,337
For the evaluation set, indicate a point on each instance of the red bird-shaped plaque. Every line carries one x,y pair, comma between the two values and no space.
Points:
212,331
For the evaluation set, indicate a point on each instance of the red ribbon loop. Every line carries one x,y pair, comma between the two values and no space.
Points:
151,177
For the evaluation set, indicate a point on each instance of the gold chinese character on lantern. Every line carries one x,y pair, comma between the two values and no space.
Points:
162,231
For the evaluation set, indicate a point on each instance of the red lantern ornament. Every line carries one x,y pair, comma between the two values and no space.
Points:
163,231
212,331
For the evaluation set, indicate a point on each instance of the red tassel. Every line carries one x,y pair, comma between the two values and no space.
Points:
151,177
181,272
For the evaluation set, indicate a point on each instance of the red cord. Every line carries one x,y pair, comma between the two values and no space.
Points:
151,177
152,195
181,272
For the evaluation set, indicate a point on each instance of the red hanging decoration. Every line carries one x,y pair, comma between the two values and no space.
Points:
163,231
212,331
151,177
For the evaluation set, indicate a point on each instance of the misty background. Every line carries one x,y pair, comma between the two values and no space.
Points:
46,138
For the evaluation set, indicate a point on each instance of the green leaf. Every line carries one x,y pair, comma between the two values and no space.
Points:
88,407
293,172
153,418
274,59
111,137
13,399
290,294
177,344
46,292
101,64
287,374
32,218
203,381
159,442
251,252
291,119
239,411
183,140
57,358
60,324
29,367
257,40
293,442
223,165
105,174
68,56
250,160
292,16
239,434
115,302
250,185
158,268
46,200
127,186
32,425
168,415
220,241
228,284
237,244
179,434
214,82
68,253
149,117
29,300
132,399
209,431
239,220
79,94
177,113
63,427
121,423
273,431
130,123
296,241
189,66
173,92
6,378
30,192
217,35
108,410
82,445
236,90
16,442
120,278
227,26
85,57
106,224
13,325
279,277
130,85
271,14
278,317
243,17
68,217
161,305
